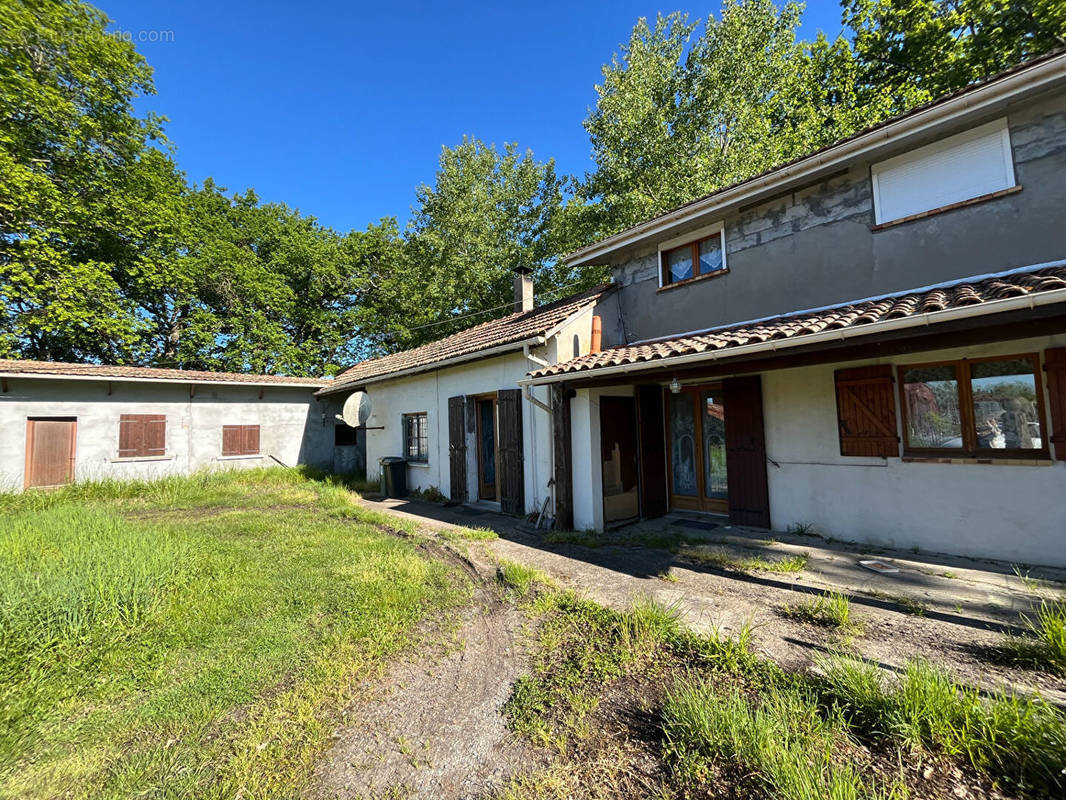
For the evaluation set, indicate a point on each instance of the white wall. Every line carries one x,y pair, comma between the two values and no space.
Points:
429,392
290,420
1011,512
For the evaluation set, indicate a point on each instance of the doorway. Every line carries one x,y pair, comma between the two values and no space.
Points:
487,447
618,451
50,450
696,449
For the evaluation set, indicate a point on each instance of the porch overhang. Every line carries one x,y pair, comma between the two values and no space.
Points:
1025,315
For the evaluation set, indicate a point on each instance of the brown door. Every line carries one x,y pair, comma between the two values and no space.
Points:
487,446
745,452
511,466
696,448
50,451
653,491
618,451
457,448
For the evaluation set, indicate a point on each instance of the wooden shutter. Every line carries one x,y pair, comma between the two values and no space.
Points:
511,468
745,452
231,440
866,411
155,435
564,482
457,448
1055,365
652,451
250,440
130,436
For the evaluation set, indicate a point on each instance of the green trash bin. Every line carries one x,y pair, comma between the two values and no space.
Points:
393,476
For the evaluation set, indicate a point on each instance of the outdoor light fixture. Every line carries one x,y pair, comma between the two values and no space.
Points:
675,386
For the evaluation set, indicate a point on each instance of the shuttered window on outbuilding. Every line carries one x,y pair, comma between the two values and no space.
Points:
142,435
240,440
1055,367
866,411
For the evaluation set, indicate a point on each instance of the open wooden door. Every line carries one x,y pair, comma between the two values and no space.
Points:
745,447
457,448
50,450
511,472
618,455
652,445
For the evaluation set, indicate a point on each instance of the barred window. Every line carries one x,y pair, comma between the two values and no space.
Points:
416,437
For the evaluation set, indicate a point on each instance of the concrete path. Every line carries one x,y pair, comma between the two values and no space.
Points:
951,610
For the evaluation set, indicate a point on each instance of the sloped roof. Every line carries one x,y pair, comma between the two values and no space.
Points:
912,303
513,329
59,369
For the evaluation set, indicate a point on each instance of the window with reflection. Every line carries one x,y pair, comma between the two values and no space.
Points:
985,407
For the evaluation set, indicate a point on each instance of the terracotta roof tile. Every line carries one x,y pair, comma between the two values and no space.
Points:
512,329
968,292
61,369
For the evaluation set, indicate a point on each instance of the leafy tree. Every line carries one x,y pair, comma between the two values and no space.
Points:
71,148
915,50
487,214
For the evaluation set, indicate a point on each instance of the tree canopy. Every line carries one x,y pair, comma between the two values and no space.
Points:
108,254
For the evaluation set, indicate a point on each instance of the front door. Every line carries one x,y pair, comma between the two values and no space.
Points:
618,450
696,452
50,444
487,445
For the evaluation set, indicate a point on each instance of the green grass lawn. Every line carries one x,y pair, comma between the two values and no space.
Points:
194,637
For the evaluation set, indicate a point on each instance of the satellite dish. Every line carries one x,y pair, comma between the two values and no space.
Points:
356,409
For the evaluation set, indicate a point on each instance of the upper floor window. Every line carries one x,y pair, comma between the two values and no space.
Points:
416,437
968,166
695,258
978,408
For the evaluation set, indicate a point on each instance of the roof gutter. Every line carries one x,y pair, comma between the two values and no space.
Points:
129,379
448,362
1032,80
774,345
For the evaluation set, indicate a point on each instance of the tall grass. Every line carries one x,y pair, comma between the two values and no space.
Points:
780,740
194,637
1007,736
1044,645
831,609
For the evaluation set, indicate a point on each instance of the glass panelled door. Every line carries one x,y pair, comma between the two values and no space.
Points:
697,466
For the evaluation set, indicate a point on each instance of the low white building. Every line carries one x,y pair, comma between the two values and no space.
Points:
65,422
454,410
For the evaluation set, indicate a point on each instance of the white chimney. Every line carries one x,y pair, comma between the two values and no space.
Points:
523,290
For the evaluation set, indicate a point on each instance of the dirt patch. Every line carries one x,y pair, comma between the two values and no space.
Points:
432,728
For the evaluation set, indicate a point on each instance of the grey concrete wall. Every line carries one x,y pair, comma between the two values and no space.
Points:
815,246
295,427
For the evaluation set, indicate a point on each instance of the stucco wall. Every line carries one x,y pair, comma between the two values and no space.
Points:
1008,512
815,246
290,420
429,392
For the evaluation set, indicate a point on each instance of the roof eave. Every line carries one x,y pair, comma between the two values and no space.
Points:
981,99
157,379
842,334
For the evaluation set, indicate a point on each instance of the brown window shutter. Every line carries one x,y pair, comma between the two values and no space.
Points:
866,412
231,440
250,440
1055,365
130,435
155,435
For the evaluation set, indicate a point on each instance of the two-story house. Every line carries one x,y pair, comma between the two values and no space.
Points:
871,339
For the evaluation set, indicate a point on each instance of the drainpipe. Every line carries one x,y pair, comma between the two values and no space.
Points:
534,402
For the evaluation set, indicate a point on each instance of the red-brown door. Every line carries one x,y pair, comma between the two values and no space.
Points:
745,452
50,451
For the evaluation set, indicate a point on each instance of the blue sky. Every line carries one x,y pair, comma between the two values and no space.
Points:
340,109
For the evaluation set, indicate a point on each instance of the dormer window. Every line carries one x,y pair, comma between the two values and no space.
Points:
696,256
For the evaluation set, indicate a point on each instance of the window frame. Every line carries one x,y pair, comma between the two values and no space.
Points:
145,451
407,419
692,241
969,449
1000,127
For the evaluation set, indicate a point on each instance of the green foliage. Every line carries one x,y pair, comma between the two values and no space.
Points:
521,578
1008,736
785,743
1044,646
753,563
831,609
194,637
